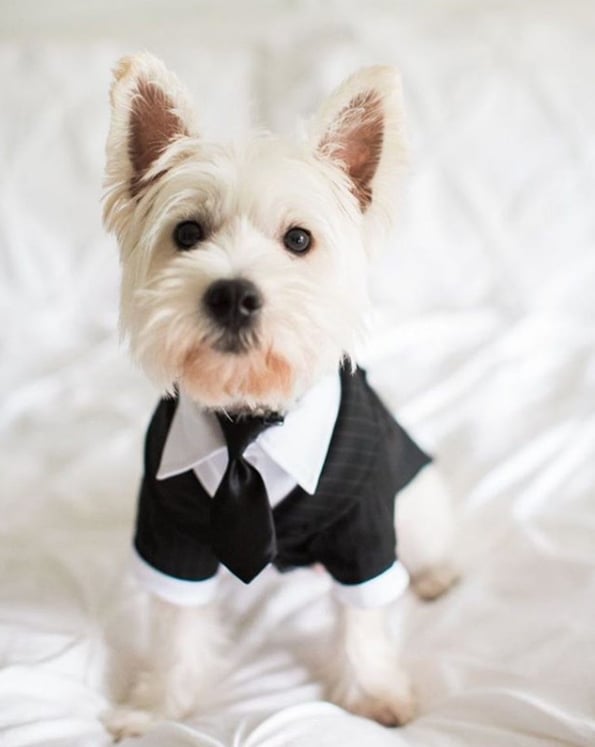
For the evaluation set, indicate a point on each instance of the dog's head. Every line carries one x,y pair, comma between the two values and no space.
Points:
244,267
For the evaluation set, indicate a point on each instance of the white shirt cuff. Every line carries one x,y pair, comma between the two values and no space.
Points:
378,591
174,590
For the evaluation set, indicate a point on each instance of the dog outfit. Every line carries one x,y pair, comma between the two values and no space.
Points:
331,471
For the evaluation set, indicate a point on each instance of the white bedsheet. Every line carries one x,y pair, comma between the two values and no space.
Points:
483,342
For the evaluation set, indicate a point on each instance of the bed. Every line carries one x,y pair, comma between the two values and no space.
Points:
483,341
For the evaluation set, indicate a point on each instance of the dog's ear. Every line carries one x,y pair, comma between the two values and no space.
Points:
150,110
360,127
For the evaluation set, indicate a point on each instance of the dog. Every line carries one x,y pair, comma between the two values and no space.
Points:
243,296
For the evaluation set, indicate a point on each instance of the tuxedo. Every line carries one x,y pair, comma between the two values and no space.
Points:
346,524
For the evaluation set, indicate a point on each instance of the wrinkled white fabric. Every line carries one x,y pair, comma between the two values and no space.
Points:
483,341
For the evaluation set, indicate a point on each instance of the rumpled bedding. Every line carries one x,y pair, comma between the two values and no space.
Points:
482,340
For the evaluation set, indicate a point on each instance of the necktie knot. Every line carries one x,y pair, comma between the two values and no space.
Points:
241,430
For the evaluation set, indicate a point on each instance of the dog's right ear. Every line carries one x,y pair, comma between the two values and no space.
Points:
150,110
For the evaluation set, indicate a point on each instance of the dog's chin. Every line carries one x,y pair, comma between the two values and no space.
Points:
228,374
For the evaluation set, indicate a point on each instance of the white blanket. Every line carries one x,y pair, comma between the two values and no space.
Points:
483,343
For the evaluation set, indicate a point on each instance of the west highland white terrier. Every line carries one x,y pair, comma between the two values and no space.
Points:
243,293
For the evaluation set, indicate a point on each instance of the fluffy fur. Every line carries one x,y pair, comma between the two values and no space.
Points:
339,182
247,196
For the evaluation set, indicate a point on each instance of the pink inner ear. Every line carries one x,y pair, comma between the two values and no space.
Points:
358,142
153,125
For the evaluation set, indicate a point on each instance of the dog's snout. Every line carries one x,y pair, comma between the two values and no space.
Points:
233,303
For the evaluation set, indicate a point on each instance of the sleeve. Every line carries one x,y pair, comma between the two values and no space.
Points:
361,544
359,552
173,557
171,532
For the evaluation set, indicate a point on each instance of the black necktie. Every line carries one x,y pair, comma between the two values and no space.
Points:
242,529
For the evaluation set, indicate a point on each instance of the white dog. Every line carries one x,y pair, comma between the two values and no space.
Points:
243,291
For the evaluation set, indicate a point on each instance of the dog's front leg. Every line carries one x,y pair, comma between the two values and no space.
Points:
366,677
183,657
425,528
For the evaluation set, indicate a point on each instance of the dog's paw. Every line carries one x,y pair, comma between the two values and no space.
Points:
128,722
388,710
433,582
386,698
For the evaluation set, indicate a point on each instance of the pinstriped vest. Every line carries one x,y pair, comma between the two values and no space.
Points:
347,525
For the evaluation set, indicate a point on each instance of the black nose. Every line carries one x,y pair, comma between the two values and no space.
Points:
233,303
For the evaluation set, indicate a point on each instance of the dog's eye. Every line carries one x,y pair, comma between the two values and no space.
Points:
187,234
297,240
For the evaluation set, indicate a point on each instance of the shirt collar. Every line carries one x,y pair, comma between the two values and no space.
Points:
299,446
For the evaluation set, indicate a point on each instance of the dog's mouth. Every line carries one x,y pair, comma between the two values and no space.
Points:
228,372
235,342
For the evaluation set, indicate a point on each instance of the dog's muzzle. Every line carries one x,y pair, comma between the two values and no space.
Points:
234,305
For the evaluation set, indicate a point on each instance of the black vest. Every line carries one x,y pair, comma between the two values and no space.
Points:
347,525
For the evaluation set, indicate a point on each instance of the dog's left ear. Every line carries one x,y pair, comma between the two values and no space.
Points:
360,128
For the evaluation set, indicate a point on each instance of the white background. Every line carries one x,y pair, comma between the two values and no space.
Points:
483,343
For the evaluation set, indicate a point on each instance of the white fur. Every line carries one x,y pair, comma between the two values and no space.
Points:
364,674
247,197
313,306
183,659
424,523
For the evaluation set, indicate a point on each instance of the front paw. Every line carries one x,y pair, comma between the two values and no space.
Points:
385,709
128,722
433,582
154,696
388,703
